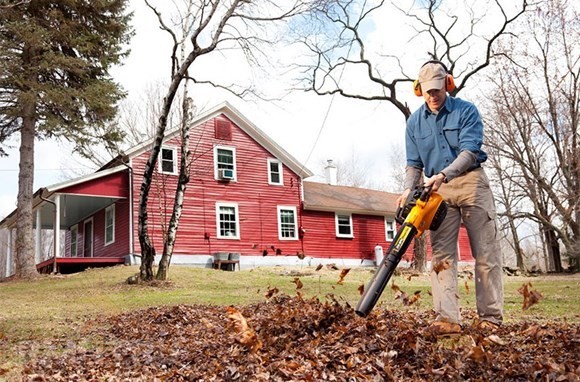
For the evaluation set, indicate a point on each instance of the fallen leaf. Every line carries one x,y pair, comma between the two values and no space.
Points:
441,266
310,339
395,287
319,267
404,297
361,289
298,283
271,292
466,287
343,274
412,275
245,334
496,339
531,297
413,299
332,266
478,354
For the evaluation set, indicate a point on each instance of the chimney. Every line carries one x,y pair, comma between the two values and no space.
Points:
330,172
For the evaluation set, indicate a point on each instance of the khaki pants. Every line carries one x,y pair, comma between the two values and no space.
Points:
470,200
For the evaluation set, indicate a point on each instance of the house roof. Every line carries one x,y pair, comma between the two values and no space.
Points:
77,204
326,197
242,122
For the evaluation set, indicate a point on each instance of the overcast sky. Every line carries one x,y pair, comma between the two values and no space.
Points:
311,128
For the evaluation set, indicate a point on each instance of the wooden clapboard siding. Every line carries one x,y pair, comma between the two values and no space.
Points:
320,238
257,200
120,246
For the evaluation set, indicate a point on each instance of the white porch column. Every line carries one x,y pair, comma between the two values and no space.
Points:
57,225
9,254
38,242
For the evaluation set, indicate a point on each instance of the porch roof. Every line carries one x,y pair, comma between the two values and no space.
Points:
80,197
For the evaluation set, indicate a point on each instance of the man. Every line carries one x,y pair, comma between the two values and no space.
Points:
443,139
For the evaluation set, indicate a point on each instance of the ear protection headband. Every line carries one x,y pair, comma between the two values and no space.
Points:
449,81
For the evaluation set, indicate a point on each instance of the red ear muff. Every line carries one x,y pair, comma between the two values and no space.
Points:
449,83
417,88
449,80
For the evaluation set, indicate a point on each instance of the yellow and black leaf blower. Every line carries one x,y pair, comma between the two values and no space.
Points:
423,210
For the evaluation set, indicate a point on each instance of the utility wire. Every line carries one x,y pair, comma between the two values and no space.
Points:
327,110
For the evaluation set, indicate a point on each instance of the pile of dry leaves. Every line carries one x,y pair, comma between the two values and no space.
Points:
293,339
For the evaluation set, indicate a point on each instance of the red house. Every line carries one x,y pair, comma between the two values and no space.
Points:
247,200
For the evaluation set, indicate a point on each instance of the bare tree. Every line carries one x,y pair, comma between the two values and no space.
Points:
396,163
3,252
211,26
534,121
508,197
341,49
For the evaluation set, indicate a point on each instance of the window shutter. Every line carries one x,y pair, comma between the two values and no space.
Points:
223,130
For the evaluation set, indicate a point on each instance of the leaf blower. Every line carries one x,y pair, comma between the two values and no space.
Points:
423,210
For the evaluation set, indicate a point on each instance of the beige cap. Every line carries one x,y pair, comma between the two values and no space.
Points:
432,76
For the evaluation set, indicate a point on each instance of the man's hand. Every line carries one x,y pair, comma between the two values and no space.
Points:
403,198
435,181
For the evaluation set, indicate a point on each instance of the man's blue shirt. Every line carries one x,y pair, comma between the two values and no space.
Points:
433,141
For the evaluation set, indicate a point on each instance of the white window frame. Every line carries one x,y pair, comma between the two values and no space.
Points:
174,162
338,234
74,228
107,211
390,226
217,164
218,206
280,172
287,208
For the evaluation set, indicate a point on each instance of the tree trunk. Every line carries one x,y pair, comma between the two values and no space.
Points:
25,266
147,250
420,254
165,261
147,257
517,247
553,249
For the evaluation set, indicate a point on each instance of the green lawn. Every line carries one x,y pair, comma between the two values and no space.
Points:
53,307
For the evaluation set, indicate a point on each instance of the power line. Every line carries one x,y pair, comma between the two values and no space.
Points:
327,110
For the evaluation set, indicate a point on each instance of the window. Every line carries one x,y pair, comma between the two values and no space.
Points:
168,161
390,228
287,227
274,172
344,225
227,221
225,162
110,225
74,237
